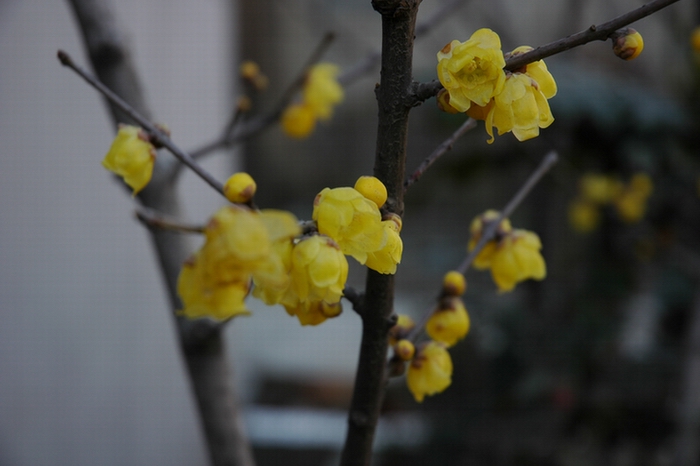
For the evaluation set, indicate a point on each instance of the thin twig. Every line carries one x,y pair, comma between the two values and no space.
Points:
156,134
424,91
258,124
547,163
439,151
153,219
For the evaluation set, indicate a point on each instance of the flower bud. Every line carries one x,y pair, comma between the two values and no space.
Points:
405,350
240,188
627,43
454,283
250,71
404,325
372,189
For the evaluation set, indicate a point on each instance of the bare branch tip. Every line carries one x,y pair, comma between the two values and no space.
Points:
64,58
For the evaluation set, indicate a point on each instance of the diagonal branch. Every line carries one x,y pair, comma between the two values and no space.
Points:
424,91
439,151
547,163
158,137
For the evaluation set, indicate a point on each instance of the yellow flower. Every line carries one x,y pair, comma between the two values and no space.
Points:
517,258
599,189
631,203
521,108
240,188
449,323
352,220
204,296
472,71
322,90
314,312
584,216
385,259
478,225
271,277
627,43
319,270
298,121
131,156
430,372
237,243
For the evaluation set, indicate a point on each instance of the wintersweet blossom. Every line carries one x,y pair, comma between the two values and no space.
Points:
386,259
203,295
132,157
352,220
298,121
631,203
472,71
430,371
322,91
517,258
240,245
318,274
477,227
320,94
584,216
512,255
449,323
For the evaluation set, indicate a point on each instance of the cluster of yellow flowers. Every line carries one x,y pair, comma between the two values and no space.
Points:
597,190
132,157
513,255
351,216
475,83
430,366
320,94
305,273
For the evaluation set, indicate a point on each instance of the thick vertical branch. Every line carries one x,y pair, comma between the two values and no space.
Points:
393,95
203,348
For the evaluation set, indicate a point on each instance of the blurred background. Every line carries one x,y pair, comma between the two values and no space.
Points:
599,364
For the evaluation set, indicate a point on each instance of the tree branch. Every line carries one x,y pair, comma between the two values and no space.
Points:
152,219
203,350
547,163
424,91
398,30
439,152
